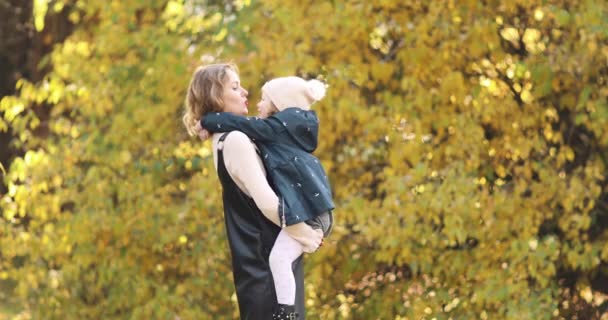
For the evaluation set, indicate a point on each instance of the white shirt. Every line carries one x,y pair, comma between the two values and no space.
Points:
246,169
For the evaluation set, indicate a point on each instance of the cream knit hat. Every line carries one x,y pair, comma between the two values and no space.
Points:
294,92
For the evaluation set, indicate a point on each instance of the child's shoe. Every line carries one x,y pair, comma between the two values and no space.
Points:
285,312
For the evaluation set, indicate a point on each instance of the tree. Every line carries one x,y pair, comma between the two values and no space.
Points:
465,142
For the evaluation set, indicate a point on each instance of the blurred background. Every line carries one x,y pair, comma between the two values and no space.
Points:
466,143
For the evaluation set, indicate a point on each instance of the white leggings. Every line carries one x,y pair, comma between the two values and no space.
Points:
284,252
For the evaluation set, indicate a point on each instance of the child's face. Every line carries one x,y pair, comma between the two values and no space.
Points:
265,107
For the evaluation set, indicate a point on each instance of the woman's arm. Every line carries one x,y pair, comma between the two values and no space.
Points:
255,128
247,170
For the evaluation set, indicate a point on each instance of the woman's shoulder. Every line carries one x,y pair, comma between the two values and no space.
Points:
235,141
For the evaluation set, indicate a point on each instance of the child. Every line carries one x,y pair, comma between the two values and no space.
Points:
286,134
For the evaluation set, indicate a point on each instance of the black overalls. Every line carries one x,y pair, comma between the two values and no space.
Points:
251,237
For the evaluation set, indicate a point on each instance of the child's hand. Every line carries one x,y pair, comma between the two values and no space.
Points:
204,134
201,132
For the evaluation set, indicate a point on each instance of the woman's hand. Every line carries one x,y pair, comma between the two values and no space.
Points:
310,239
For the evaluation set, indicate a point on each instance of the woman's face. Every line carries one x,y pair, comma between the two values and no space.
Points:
234,96
265,107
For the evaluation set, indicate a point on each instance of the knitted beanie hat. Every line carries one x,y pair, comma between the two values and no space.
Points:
289,92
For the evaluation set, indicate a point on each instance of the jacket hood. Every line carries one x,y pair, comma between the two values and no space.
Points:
302,126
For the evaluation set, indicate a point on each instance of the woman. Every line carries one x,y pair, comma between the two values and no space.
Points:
286,134
250,204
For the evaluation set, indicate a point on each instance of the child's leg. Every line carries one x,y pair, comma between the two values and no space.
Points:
284,252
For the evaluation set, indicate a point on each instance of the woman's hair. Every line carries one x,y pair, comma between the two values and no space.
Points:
205,93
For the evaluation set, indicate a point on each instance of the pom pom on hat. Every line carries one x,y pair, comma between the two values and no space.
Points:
296,92
317,89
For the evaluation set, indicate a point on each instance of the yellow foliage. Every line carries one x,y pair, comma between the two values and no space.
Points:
465,142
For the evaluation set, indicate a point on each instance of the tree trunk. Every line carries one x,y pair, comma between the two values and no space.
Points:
21,49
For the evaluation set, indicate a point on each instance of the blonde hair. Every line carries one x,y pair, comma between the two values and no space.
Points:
274,109
205,93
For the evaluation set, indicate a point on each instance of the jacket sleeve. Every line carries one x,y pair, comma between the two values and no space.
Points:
256,128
